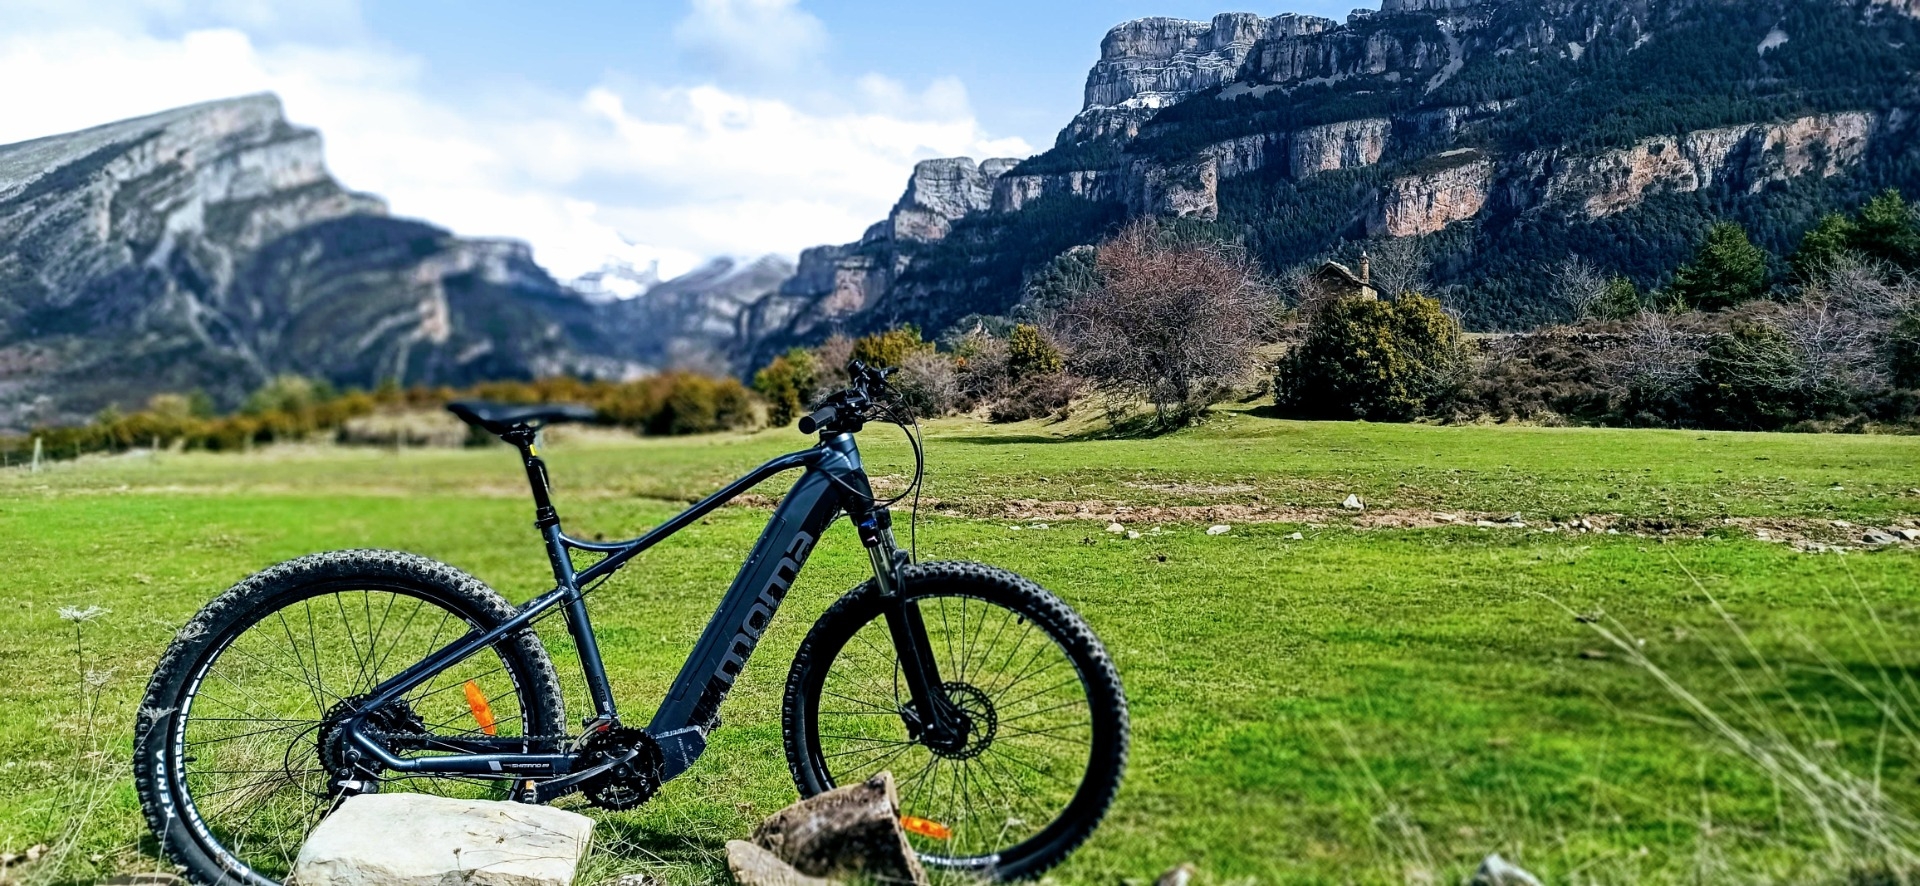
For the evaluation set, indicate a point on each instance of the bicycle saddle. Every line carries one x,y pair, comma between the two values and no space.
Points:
502,419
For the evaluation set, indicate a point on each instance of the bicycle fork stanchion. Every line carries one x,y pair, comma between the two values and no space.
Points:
933,718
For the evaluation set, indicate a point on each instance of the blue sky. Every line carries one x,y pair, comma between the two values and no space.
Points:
666,131
1023,62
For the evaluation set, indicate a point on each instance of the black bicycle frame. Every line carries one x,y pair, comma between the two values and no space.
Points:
834,481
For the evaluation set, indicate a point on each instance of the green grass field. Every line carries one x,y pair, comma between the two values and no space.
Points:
1387,698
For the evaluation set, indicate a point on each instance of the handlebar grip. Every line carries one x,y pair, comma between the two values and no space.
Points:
818,420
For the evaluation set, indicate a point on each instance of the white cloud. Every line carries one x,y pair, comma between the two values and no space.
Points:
673,173
751,39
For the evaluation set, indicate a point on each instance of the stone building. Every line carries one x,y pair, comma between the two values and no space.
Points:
1339,281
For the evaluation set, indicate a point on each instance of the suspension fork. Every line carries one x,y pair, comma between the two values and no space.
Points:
932,716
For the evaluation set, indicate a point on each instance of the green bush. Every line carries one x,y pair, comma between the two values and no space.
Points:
890,349
1621,300
1377,360
1886,231
290,408
1825,244
698,404
1030,352
287,393
789,383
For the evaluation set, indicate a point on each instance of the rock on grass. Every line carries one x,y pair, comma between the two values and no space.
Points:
423,840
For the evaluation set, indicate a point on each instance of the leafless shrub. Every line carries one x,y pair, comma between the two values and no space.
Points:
1037,397
1844,325
426,428
1173,323
830,361
982,361
1579,285
929,384
1400,265
1303,289
1657,357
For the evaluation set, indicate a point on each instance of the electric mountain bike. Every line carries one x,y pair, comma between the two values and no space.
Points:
356,672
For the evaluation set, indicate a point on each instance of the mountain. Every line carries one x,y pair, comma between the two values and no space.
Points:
208,248
1505,134
695,321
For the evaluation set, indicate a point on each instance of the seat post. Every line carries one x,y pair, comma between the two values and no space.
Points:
523,438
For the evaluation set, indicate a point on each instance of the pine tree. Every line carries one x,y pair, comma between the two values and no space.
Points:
1620,301
1728,271
1886,230
1826,243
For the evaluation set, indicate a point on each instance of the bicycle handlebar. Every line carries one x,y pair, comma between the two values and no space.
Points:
849,409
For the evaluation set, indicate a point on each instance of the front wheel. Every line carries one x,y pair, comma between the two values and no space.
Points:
1045,720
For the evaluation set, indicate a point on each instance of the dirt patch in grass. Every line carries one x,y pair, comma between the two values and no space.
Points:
1806,534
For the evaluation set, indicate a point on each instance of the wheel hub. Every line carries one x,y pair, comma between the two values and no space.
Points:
978,723
340,758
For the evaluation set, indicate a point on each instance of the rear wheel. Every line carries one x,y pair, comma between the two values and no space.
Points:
238,751
1044,720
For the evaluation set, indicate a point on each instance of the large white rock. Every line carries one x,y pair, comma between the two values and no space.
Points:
421,840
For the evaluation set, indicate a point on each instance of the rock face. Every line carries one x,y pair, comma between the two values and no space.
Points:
1429,5
208,248
1428,201
1335,146
424,840
1747,157
940,193
835,283
1152,63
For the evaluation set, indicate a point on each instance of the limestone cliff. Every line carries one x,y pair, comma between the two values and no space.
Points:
835,283
1746,158
1152,63
1455,188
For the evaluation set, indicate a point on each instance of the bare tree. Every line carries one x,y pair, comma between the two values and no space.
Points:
1657,359
1843,325
1578,284
1173,323
929,383
1302,288
1400,265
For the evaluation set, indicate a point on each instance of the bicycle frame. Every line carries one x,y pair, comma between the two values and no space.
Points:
834,481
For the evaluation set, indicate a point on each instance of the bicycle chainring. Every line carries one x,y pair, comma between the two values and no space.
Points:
629,784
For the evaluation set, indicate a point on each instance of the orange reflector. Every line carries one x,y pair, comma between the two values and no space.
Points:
932,830
482,711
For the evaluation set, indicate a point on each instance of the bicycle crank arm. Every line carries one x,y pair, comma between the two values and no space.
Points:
549,791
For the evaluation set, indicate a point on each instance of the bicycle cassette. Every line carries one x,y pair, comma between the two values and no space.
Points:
628,784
